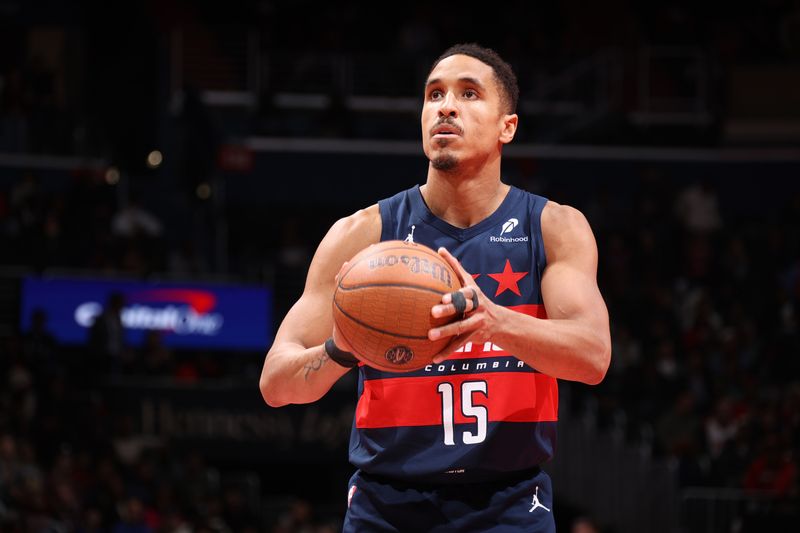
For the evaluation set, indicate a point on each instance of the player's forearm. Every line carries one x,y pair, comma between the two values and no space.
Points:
563,348
293,374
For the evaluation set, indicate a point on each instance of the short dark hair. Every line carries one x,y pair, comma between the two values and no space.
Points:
503,72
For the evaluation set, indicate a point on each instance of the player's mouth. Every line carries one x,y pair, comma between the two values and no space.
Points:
446,130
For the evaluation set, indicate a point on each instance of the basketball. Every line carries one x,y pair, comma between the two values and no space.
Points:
382,304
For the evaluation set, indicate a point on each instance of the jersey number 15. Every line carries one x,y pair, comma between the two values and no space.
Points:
468,409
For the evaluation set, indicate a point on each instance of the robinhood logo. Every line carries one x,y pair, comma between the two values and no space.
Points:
508,227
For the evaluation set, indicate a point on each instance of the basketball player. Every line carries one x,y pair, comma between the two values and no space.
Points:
457,446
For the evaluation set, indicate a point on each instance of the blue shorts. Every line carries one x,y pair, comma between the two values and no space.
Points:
524,503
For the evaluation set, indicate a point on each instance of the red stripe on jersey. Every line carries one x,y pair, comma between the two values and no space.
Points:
511,397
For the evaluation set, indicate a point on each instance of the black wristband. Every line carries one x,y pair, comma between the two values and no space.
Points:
340,357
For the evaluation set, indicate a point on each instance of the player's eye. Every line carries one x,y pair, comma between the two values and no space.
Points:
436,94
469,93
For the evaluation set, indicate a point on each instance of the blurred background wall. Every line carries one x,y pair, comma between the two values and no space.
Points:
167,169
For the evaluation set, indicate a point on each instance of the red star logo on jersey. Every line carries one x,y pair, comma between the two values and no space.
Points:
507,280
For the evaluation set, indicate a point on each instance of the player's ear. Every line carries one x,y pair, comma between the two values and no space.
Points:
508,128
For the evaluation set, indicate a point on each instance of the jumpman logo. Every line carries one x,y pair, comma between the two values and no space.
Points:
535,501
410,237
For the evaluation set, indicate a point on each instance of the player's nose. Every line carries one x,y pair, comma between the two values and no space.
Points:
447,107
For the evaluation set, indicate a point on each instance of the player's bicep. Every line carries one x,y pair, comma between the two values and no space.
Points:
570,292
569,283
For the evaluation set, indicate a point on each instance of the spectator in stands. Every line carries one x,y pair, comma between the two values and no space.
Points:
139,237
156,359
774,470
131,446
721,426
22,393
134,220
132,517
236,511
24,223
186,260
39,345
679,434
108,348
298,517
697,208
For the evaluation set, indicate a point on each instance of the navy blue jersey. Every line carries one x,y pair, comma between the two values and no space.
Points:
482,413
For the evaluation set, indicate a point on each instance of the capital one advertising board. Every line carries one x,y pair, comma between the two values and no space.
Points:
188,315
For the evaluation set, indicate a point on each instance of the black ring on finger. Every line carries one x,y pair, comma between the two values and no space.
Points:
474,299
459,301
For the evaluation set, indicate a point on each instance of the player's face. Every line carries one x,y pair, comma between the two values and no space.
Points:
462,117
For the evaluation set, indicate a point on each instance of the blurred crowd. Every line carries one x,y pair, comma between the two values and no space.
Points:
76,221
65,91
706,329
71,462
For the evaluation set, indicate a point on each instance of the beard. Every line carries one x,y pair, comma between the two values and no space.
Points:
444,162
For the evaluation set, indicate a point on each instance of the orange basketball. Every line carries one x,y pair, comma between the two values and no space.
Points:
382,304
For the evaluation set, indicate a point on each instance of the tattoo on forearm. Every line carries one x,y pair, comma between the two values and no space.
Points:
316,363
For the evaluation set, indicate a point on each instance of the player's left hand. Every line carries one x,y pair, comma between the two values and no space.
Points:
477,311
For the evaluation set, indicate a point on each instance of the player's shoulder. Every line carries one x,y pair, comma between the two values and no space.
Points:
363,223
351,233
564,225
561,217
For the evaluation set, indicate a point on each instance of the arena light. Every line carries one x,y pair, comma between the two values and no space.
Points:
154,159
203,191
112,175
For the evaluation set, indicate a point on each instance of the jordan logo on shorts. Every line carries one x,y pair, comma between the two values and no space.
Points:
535,501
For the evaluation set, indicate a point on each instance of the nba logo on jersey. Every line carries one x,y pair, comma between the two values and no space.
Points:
350,495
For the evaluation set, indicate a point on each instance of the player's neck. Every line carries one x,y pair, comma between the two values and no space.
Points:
463,202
